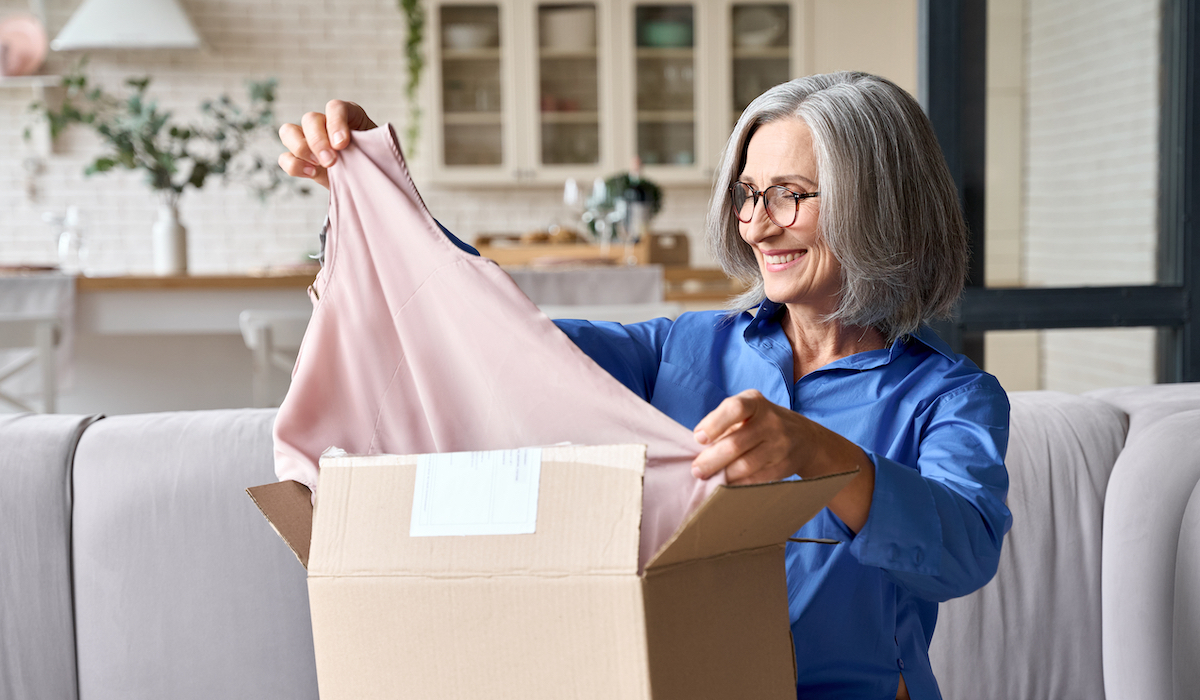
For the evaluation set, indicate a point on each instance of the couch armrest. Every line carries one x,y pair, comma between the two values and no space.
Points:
181,592
1143,510
37,635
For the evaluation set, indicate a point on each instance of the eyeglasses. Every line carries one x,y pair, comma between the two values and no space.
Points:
782,204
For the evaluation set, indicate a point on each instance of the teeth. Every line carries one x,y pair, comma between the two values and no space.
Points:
780,259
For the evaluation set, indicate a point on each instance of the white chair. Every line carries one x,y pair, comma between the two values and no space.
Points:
274,339
37,336
620,313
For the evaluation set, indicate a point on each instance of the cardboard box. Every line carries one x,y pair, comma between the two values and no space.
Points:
560,613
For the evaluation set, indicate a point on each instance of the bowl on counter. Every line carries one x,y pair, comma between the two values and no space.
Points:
757,39
468,36
666,34
757,27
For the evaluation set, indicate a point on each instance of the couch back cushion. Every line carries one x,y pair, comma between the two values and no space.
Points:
1144,514
37,636
1034,630
1187,602
182,589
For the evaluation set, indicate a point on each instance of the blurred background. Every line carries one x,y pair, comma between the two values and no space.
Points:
556,133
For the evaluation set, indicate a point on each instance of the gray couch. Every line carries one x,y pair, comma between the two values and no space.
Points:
133,565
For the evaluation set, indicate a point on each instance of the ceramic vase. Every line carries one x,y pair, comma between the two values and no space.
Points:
170,241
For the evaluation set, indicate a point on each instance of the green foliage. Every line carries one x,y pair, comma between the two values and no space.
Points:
137,135
414,15
619,184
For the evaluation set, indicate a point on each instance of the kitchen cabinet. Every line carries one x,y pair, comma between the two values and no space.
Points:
536,91
762,45
663,49
521,89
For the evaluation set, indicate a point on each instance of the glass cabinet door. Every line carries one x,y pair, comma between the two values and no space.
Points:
473,133
665,71
761,45
568,90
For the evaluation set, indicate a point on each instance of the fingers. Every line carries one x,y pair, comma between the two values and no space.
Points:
316,136
343,117
733,453
301,168
725,417
759,464
313,144
292,137
299,161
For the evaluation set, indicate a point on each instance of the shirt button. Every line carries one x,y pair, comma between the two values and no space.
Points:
900,663
894,553
767,345
918,555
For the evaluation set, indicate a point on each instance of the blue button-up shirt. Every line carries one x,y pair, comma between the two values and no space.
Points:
934,425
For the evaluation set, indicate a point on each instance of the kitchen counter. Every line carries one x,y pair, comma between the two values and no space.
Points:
184,304
147,343
289,280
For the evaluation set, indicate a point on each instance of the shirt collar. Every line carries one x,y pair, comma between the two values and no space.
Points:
766,322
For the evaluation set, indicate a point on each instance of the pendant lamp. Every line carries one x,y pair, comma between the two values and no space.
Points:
127,24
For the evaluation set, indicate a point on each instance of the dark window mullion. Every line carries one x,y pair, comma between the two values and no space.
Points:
954,78
954,92
1178,263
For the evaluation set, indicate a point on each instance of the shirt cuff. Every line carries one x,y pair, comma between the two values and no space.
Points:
903,532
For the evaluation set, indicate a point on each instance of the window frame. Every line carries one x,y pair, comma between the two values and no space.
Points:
953,68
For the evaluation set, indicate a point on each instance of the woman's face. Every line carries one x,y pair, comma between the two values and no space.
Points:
797,267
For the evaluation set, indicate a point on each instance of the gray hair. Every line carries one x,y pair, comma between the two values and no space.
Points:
889,209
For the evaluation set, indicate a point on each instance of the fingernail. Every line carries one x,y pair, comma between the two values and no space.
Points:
310,171
339,138
701,437
696,472
326,158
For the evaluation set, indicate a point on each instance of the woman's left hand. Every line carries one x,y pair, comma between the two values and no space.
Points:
756,441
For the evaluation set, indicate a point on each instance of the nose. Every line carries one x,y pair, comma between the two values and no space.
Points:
760,227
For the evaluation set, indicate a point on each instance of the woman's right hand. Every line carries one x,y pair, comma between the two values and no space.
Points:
313,144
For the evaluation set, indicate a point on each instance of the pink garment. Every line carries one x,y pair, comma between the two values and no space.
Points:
417,347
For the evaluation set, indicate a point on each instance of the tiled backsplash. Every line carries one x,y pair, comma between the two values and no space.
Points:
351,49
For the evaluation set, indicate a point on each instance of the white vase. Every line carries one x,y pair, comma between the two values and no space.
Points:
170,242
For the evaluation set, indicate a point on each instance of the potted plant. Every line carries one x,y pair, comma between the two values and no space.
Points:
174,156
628,199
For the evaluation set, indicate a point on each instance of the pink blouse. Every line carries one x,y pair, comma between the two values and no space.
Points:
416,346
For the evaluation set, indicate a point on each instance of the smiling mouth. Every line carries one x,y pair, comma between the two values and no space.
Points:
781,259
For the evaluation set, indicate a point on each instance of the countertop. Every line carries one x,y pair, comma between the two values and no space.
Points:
289,280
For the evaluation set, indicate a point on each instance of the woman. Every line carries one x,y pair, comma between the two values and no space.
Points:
834,205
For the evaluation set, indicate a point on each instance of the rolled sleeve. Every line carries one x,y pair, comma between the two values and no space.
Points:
936,529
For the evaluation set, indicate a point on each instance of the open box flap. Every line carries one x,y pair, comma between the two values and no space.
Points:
736,518
287,505
588,520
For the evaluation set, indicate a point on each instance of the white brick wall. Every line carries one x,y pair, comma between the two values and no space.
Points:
318,50
1091,173
1092,162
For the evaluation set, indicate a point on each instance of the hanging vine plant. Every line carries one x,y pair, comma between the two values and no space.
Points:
414,15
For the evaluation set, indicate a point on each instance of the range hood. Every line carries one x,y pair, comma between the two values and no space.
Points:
127,24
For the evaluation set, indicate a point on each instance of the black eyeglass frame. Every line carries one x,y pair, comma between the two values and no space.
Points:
755,194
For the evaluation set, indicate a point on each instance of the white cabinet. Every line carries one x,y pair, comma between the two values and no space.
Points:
473,70
662,50
535,91
522,91
761,44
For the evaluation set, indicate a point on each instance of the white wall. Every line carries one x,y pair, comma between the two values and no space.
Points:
315,49
1091,162
318,49
352,49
